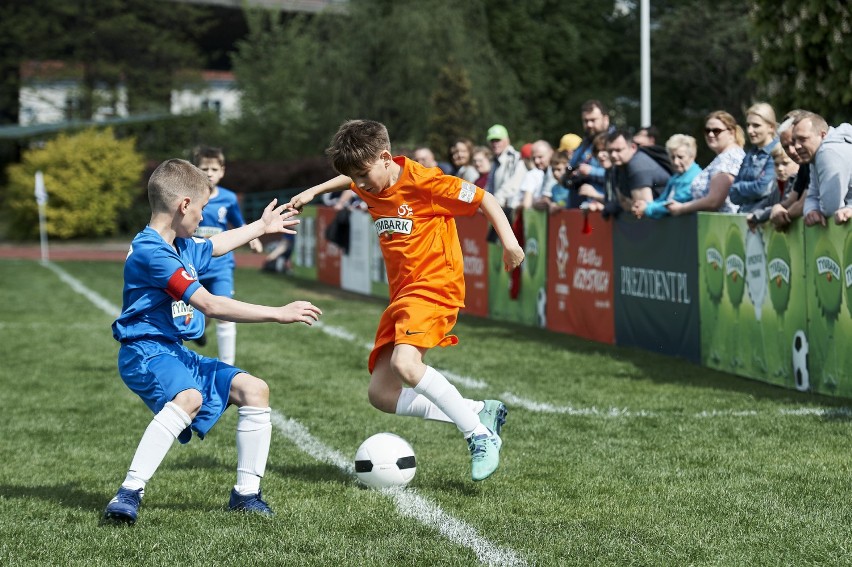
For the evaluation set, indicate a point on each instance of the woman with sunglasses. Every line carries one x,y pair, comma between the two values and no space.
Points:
754,187
710,188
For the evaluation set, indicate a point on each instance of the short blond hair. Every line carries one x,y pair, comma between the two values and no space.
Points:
175,179
682,141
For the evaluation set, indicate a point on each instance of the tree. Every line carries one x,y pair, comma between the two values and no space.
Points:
454,112
803,54
86,196
694,74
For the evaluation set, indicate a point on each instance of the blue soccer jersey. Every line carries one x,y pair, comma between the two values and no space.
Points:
220,213
159,279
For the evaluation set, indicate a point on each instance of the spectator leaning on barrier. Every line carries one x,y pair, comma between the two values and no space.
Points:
638,175
584,168
556,196
829,151
682,150
753,186
482,157
507,170
710,188
461,157
793,203
784,194
537,180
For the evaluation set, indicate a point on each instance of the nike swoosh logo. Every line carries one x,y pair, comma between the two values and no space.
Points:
414,332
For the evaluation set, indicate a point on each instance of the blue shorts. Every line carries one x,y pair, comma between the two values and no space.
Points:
220,283
157,371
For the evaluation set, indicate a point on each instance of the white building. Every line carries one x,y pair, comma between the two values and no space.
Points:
51,92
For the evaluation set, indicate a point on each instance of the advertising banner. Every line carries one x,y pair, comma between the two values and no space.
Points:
524,298
579,276
472,234
328,254
305,245
355,266
822,358
753,297
656,287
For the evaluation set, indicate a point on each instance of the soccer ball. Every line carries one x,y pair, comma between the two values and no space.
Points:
385,460
800,361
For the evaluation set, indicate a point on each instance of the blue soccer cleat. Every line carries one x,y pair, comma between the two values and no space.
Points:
493,415
249,503
484,455
124,507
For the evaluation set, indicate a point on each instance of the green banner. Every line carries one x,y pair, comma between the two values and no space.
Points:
528,307
824,357
753,297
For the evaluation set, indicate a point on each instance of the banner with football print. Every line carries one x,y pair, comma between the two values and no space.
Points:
521,296
473,232
822,356
579,276
753,298
328,254
656,287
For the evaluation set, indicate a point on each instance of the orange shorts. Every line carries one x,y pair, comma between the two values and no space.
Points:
415,321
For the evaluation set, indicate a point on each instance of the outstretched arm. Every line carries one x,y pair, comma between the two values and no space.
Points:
227,309
513,254
337,184
274,220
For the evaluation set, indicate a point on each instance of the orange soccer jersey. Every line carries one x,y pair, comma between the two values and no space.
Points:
417,232
423,258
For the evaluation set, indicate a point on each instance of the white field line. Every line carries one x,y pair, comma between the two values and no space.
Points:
476,384
408,502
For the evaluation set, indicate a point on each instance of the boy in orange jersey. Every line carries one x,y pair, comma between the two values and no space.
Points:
413,208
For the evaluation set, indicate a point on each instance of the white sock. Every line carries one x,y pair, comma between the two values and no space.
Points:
254,434
412,404
155,443
440,392
226,338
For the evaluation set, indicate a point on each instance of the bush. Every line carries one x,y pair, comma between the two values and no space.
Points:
91,179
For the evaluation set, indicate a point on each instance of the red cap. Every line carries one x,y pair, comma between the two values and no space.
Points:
526,151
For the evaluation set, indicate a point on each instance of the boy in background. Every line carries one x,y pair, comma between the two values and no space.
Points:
413,209
220,213
186,391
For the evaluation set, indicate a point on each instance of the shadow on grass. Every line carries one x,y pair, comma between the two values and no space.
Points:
318,472
68,495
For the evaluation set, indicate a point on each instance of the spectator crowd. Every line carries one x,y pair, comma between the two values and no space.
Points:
770,171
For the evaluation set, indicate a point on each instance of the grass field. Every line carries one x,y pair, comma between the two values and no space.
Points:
611,456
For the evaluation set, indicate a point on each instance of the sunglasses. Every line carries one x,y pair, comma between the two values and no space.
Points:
714,131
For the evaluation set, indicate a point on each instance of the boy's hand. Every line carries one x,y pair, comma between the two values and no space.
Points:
277,219
300,200
299,312
256,245
512,257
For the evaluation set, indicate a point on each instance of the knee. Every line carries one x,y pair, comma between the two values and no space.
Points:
249,391
407,368
189,401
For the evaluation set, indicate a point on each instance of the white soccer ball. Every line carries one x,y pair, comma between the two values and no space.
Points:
385,460
800,361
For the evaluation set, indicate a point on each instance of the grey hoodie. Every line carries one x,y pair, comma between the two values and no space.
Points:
831,173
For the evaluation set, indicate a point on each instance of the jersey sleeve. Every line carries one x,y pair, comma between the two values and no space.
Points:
454,196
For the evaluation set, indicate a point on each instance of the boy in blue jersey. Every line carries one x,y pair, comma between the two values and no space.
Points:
160,303
221,212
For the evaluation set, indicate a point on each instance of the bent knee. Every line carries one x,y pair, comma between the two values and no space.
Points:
248,390
189,401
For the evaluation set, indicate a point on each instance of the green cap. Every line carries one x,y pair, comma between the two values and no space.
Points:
497,132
